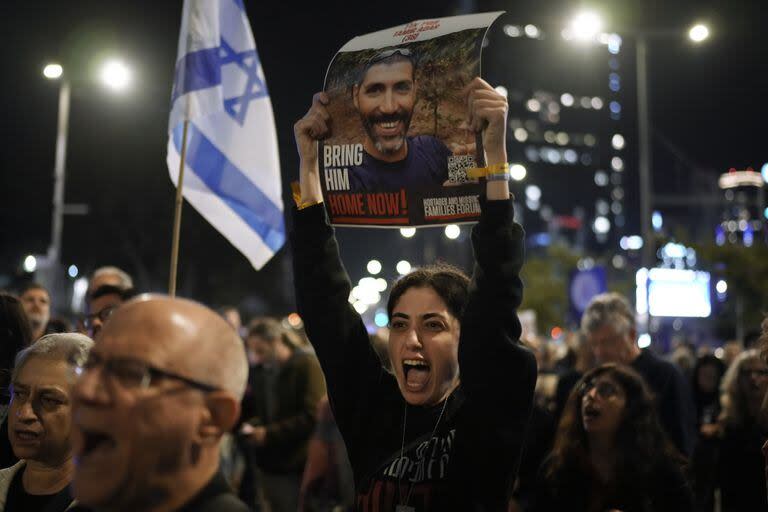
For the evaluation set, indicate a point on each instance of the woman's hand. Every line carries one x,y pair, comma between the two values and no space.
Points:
488,114
314,126
487,111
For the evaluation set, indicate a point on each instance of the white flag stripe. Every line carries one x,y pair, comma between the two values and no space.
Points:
219,214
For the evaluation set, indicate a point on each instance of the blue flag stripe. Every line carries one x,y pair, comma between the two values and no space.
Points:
240,4
232,186
195,71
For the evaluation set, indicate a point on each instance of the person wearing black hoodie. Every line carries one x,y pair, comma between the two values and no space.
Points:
424,439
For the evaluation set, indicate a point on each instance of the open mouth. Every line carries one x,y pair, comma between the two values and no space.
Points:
416,372
591,412
27,435
389,128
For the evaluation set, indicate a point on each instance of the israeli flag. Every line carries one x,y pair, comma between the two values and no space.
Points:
232,167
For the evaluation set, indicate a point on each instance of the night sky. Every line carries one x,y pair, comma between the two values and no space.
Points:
709,101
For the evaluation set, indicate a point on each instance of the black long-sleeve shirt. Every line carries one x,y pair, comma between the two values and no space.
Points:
674,401
471,461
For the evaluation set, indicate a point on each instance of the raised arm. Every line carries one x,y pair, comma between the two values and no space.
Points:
494,366
335,329
314,126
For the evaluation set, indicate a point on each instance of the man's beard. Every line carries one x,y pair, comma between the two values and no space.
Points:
390,145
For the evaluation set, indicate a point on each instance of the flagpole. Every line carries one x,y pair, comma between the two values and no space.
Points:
177,215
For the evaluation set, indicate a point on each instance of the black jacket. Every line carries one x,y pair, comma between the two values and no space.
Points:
214,497
471,462
298,387
674,401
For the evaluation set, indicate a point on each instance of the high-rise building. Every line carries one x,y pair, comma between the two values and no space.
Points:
572,125
744,213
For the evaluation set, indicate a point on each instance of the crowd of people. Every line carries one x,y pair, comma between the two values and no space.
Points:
627,430
177,407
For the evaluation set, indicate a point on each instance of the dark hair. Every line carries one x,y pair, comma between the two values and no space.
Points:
15,334
450,283
707,360
387,56
58,324
640,441
33,286
273,330
108,289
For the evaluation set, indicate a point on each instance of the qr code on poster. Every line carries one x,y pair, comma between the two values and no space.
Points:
458,165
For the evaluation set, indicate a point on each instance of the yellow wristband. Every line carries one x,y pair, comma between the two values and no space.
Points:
296,191
491,170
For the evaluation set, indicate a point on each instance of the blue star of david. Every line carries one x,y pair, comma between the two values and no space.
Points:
248,62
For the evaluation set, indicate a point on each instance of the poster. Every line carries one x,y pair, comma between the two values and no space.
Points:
399,147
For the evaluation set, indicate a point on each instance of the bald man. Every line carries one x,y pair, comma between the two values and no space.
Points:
161,386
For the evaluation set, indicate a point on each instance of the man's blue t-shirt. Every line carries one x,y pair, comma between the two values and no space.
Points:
425,167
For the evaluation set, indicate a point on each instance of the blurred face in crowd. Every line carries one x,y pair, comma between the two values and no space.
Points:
424,347
753,381
385,100
37,305
133,437
101,309
39,415
611,344
708,378
259,350
105,279
602,406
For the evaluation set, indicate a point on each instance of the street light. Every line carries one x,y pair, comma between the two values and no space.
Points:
698,33
452,231
53,71
586,25
30,264
373,267
644,138
517,172
114,74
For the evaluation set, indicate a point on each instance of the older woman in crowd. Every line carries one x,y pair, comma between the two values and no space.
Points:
39,425
610,451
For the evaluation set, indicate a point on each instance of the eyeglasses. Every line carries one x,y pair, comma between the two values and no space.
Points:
405,52
132,373
604,389
101,315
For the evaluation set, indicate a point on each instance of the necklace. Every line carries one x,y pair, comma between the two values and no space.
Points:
403,507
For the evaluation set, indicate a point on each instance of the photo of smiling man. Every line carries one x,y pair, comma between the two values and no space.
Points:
385,97
400,144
